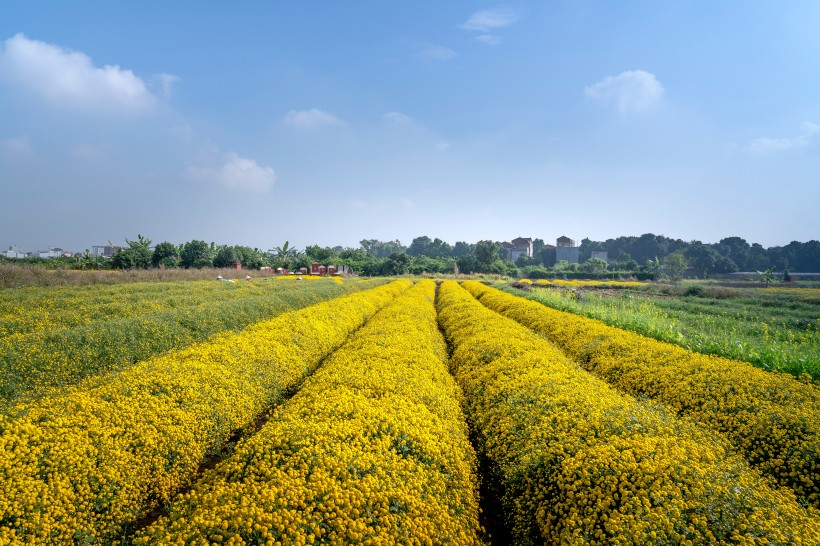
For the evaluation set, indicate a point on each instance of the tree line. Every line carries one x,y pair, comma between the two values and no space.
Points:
647,255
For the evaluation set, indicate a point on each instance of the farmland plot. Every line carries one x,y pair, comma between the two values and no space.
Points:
87,463
45,355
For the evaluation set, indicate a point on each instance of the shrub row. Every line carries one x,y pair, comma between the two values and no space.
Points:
373,449
34,364
581,463
86,464
772,418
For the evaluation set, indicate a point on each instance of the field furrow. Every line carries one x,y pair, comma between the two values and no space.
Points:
772,419
86,464
372,450
581,463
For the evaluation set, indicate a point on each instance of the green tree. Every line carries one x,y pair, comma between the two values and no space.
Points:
136,256
284,255
323,255
250,258
655,267
486,252
766,276
226,256
595,265
462,248
196,254
382,249
397,263
674,265
165,255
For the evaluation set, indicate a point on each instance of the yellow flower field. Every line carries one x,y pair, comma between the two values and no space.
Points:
580,463
773,419
86,464
59,354
372,450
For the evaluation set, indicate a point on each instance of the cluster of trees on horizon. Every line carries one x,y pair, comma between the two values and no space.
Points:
647,254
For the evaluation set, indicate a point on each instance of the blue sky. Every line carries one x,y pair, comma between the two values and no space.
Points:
327,122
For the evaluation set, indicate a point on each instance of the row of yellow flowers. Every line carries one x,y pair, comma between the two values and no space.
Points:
372,450
91,461
581,463
773,419
34,364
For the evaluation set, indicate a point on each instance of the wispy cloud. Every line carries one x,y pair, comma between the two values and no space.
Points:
629,91
490,19
488,39
310,119
397,118
236,173
69,79
768,146
17,146
165,83
88,152
436,53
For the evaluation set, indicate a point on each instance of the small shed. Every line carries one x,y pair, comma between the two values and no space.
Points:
303,270
314,268
322,270
331,270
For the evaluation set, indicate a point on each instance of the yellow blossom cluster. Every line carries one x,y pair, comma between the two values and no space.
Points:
581,463
373,449
584,283
35,363
773,419
87,463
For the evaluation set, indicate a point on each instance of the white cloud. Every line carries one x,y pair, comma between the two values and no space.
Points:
490,19
236,173
810,128
629,91
18,146
165,83
310,119
488,39
398,118
434,53
87,152
766,146
69,79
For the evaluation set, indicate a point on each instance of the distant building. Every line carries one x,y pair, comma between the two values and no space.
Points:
521,246
106,251
602,254
14,252
565,249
